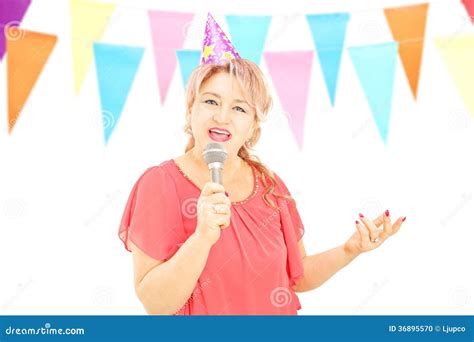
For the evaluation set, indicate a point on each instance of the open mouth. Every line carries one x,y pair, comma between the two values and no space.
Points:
219,134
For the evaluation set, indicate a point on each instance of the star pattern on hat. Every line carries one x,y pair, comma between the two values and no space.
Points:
208,50
217,47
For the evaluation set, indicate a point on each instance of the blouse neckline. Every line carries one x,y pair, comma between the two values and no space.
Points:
255,183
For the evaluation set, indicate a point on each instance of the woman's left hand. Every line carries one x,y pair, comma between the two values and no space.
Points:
368,236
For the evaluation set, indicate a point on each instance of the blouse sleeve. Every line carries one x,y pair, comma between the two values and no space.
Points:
295,217
293,231
152,216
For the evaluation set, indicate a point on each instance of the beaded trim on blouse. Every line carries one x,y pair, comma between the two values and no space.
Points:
255,179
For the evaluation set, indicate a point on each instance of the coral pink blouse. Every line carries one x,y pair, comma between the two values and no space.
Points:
250,268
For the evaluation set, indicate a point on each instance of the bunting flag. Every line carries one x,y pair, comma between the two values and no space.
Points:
26,59
168,34
248,35
375,67
88,22
11,15
458,55
188,60
329,33
469,6
408,29
290,72
116,66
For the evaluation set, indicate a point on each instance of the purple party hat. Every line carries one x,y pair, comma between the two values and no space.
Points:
216,47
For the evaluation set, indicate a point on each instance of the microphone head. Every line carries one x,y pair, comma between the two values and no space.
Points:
214,153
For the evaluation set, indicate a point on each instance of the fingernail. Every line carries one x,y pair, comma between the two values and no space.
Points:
403,219
226,194
360,215
357,222
387,213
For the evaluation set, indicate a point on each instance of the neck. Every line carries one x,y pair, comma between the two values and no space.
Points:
232,165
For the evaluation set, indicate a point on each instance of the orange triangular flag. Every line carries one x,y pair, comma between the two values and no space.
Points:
26,58
408,29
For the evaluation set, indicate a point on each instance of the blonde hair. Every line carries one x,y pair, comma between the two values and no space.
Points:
252,81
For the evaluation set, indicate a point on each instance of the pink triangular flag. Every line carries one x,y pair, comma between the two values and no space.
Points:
168,34
469,5
291,72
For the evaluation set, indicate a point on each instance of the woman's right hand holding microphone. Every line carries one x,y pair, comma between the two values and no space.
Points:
213,209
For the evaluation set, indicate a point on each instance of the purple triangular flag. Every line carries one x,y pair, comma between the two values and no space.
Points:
11,14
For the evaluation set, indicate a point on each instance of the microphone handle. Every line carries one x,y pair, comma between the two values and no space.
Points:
216,175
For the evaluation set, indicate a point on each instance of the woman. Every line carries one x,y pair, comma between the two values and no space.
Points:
201,248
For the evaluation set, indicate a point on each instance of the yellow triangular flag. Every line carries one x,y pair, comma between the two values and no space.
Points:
88,22
458,55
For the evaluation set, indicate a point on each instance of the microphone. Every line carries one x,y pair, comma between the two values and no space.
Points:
215,156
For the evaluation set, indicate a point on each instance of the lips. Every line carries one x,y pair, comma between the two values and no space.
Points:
219,134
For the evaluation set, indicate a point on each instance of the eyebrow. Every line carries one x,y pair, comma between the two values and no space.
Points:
218,96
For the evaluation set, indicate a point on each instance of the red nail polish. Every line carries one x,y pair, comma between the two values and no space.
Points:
360,215
403,219
226,194
387,213
357,222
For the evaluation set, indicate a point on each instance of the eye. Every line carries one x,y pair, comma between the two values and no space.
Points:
240,109
210,102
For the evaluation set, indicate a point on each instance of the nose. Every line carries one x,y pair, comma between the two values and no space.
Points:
223,115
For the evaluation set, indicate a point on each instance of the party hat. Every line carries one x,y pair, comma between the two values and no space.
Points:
216,47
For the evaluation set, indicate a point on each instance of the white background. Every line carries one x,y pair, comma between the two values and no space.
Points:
62,191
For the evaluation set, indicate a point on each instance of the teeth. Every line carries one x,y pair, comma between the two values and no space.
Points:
219,132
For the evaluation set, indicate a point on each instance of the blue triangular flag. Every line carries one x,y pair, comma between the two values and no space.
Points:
116,66
248,34
188,60
375,67
329,32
